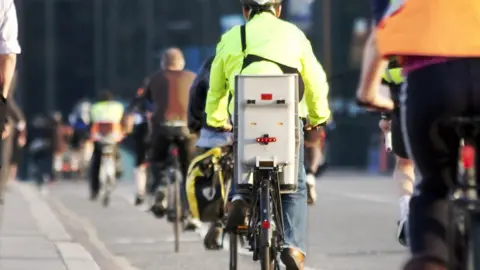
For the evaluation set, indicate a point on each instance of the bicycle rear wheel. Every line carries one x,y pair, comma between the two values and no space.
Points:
233,237
265,228
177,208
474,247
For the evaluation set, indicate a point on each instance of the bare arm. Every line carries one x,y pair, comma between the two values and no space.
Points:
14,111
9,47
7,68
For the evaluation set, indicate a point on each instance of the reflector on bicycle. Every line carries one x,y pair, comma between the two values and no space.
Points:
266,96
105,128
266,164
266,224
174,151
468,156
106,132
266,140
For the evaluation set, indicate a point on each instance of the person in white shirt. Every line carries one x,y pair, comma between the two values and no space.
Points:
9,48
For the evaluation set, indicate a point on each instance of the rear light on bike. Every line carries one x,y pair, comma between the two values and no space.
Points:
266,96
174,152
468,156
266,140
105,128
266,224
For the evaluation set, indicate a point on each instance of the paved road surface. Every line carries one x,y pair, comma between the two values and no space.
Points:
351,228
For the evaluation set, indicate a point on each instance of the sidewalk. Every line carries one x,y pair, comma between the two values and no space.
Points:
32,237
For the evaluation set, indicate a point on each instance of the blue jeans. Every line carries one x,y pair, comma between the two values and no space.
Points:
294,206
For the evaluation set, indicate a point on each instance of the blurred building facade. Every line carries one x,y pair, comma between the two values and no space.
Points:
74,48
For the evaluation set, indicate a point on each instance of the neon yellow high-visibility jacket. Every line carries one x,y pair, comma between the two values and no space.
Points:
107,112
276,40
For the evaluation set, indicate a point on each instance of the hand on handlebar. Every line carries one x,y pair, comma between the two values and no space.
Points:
309,127
227,127
385,125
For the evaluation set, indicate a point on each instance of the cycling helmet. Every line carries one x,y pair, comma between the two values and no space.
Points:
260,2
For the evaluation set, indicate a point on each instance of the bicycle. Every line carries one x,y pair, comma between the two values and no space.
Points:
464,198
174,178
226,165
223,173
265,238
174,205
107,172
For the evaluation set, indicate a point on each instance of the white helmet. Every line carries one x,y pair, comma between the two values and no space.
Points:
260,2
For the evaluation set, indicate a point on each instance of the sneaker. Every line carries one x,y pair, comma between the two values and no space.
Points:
425,263
212,240
237,214
192,224
311,190
139,200
401,231
159,208
402,223
293,259
93,196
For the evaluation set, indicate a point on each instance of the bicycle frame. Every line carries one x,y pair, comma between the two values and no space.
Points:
265,226
466,206
174,208
107,172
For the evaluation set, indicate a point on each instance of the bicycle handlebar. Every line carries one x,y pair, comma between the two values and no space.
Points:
388,141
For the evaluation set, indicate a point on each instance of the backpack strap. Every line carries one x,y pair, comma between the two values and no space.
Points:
243,36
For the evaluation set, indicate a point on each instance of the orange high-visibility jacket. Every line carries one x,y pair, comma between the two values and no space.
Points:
446,28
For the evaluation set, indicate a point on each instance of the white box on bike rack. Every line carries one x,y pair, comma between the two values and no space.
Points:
267,105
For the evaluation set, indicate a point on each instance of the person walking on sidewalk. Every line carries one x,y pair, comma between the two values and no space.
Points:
9,48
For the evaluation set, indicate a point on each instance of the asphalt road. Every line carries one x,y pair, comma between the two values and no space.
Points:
352,227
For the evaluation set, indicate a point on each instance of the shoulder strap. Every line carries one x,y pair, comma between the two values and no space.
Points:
243,37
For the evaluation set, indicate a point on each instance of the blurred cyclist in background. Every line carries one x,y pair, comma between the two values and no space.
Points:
208,138
61,138
40,149
168,90
138,113
82,148
106,118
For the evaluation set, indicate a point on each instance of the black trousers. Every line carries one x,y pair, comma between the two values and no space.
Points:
140,134
431,95
162,139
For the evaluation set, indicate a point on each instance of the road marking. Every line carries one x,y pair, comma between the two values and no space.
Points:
361,196
241,250
46,220
202,231
74,255
93,238
170,239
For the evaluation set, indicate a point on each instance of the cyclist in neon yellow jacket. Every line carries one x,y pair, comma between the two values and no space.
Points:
273,46
110,112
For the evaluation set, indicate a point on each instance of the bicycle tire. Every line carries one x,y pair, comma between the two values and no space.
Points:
177,210
265,233
233,238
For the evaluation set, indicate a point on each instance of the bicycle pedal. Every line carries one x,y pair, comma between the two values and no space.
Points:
241,229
